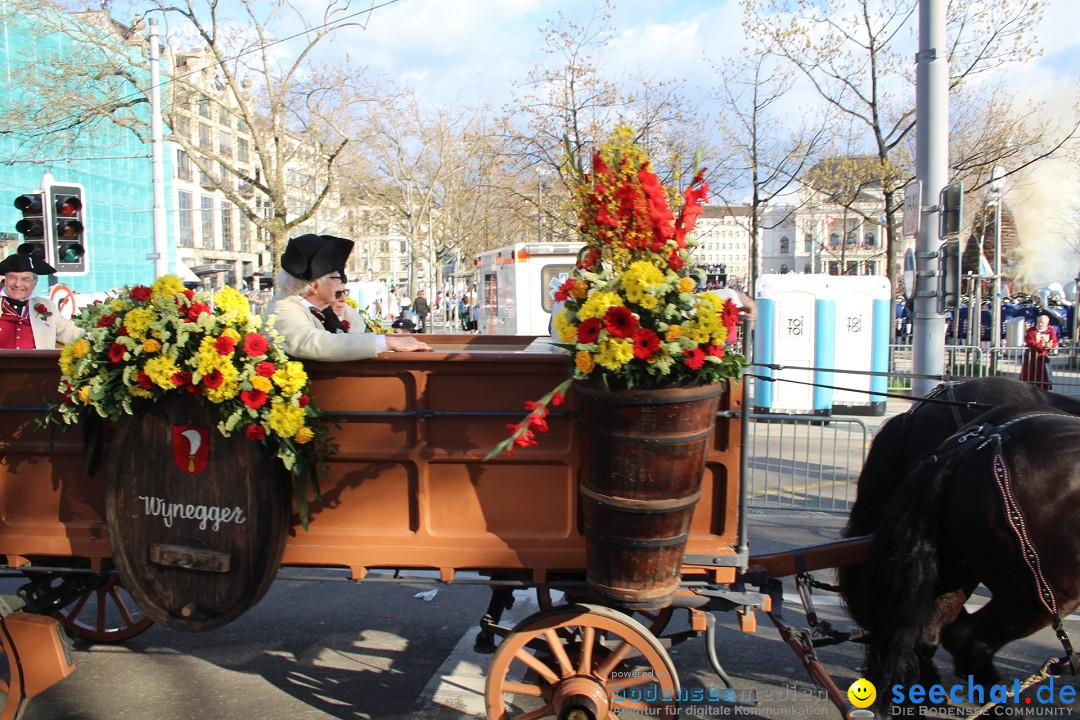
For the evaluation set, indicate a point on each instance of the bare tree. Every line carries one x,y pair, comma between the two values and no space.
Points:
295,111
766,153
854,56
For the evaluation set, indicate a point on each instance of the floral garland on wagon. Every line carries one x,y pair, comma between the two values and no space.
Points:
634,315
144,342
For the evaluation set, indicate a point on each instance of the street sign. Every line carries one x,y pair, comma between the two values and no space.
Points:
912,207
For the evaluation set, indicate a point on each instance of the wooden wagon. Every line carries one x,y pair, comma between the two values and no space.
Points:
409,489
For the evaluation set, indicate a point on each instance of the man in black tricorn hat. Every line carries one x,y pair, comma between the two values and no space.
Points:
29,322
312,271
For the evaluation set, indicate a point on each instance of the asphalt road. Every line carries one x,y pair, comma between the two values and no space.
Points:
322,649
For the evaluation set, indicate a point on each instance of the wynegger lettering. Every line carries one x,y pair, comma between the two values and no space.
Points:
212,514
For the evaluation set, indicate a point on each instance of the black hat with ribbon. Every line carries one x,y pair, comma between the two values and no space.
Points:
309,257
28,257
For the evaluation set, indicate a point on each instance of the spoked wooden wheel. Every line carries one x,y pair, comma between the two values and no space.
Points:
581,662
106,614
655,620
11,686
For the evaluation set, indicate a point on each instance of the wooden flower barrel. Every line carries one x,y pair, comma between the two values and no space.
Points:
197,522
642,459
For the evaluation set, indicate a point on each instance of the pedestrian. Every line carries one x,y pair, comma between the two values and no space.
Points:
422,310
1039,341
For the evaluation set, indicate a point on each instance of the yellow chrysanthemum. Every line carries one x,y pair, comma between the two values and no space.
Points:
285,419
231,300
598,304
79,348
304,435
261,383
673,333
229,387
138,320
613,353
643,280
686,284
231,333
161,369
352,303
584,362
116,305
579,290
151,346
290,379
167,286
566,330
84,394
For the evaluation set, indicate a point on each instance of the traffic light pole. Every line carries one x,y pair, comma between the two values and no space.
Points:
161,229
931,168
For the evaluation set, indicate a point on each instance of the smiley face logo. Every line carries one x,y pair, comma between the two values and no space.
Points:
862,693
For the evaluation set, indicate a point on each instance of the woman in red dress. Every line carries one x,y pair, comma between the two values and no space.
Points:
1040,340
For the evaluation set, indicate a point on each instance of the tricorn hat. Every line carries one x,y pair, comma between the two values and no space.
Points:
28,257
309,257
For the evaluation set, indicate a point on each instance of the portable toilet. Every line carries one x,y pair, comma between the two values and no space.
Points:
860,347
793,311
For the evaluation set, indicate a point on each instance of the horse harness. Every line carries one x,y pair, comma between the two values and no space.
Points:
976,438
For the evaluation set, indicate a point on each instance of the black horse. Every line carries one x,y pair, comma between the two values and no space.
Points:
997,504
904,440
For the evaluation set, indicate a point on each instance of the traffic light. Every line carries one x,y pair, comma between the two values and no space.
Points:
68,229
33,226
951,200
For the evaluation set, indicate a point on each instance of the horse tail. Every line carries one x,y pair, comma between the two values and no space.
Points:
900,580
879,479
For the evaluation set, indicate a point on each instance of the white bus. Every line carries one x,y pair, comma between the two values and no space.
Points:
516,286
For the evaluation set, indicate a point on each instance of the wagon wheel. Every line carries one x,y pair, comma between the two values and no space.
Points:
566,657
11,687
105,614
655,620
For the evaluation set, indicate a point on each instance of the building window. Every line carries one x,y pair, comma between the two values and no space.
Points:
808,243
205,180
834,240
871,239
225,145
852,267
182,128
187,234
226,225
204,136
204,106
871,267
208,222
785,245
183,165
242,150
223,117
834,267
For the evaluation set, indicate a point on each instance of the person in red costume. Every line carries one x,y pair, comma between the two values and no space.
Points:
1040,340
29,322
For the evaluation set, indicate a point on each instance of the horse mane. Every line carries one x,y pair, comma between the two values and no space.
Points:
899,581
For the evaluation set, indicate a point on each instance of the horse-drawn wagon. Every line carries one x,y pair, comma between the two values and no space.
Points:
407,488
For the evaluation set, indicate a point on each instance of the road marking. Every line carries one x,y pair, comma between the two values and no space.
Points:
456,689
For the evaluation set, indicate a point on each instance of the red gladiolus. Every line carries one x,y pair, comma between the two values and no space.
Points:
106,321
675,261
557,398
189,293
145,382
538,423
303,401
254,399
255,344
695,358
563,293
589,330
181,378
139,293
620,322
116,352
716,350
224,345
525,439
265,368
213,379
646,343
255,432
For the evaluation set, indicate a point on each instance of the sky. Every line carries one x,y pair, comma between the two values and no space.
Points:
474,51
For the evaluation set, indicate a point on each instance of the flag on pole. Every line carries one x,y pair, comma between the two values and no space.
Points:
830,220
985,269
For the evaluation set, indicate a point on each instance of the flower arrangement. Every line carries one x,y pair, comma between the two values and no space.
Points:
634,314
42,311
145,342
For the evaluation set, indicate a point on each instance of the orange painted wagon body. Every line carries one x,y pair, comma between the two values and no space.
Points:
408,487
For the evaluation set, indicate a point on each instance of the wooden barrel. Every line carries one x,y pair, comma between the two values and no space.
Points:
642,458
197,522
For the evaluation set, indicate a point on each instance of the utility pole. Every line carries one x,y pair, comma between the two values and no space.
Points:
161,228
931,169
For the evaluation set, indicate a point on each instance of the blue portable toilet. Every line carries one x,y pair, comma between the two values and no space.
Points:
861,343
794,311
